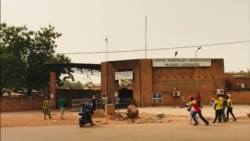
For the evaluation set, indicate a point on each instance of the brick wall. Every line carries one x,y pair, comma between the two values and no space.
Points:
240,97
183,79
232,82
148,80
23,103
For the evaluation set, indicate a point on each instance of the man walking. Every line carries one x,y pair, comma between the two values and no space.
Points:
229,107
218,109
62,106
197,110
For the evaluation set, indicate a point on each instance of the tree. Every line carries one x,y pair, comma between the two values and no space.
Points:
71,85
24,55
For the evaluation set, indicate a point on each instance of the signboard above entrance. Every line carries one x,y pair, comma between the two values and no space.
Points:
123,75
181,62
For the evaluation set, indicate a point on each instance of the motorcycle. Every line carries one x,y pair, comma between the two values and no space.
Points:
84,117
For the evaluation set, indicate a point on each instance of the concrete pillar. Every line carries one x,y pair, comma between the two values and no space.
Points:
109,109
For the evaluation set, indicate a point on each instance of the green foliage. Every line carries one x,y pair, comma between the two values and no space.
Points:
71,85
24,55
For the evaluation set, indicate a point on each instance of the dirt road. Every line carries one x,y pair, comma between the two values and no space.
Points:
30,126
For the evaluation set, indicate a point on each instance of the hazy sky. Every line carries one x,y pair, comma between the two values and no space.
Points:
170,24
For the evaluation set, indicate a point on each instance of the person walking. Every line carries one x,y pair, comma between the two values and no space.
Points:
104,101
62,106
229,107
192,110
218,103
117,102
93,102
224,108
197,110
46,108
198,99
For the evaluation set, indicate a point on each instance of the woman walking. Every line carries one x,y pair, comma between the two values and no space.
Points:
46,108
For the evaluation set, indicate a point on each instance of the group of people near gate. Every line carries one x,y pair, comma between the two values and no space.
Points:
220,104
88,107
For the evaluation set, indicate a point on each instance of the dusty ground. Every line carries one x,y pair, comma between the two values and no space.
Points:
174,127
35,118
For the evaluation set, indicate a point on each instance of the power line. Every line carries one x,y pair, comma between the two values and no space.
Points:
180,47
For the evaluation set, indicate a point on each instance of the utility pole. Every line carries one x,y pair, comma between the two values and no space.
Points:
197,79
146,36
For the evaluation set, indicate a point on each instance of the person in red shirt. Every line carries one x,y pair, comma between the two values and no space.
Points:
198,99
197,110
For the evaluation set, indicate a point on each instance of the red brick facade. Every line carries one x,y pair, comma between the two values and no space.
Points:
148,80
164,80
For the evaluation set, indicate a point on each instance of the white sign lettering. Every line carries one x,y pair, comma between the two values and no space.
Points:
123,75
183,62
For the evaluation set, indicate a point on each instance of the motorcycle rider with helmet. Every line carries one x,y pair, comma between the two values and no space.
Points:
87,110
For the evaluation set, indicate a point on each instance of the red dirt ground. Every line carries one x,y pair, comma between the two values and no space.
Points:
35,118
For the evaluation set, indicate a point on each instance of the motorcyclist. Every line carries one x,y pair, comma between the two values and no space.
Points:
87,110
